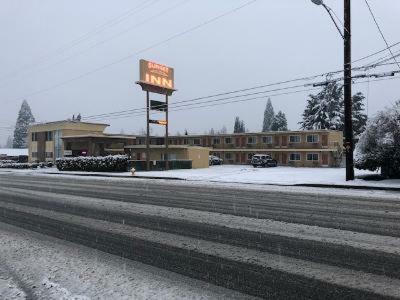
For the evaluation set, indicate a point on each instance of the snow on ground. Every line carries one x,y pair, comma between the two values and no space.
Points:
49,268
248,175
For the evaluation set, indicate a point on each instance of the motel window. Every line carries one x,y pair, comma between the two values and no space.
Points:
34,137
216,141
312,156
267,139
49,136
313,138
251,140
294,139
228,155
196,141
140,141
294,156
34,154
228,140
49,154
186,141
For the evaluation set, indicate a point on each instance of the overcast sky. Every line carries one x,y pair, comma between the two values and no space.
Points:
45,43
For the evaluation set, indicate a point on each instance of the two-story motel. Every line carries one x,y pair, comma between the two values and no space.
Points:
314,148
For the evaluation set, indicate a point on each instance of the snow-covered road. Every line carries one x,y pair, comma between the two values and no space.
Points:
36,266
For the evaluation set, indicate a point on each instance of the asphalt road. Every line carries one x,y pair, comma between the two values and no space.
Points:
349,212
311,241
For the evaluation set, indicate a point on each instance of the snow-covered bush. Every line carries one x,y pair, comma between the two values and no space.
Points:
379,144
2,162
16,165
111,163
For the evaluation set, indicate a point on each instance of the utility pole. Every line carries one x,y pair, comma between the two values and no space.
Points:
148,132
166,158
348,125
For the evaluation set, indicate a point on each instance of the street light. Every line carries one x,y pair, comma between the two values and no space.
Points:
329,11
348,124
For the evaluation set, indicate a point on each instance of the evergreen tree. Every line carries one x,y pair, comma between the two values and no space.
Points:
280,122
223,130
236,127
358,115
25,118
325,109
9,143
269,115
242,126
239,126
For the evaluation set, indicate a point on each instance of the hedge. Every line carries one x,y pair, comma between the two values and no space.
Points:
111,163
15,165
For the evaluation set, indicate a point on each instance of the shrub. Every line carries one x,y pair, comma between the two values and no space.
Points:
379,144
15,165
116,163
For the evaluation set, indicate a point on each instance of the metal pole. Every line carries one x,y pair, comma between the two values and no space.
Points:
166,134
148,132
348,125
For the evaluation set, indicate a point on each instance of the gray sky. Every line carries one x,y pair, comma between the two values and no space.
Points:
265,42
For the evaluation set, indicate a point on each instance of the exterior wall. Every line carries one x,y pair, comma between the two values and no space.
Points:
50,150
238,148
198,155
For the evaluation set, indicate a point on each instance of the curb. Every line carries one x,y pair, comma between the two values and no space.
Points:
113,176
353,187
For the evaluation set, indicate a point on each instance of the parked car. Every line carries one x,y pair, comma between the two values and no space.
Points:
263,160
215,160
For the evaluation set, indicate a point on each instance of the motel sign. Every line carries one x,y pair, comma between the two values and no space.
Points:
154,74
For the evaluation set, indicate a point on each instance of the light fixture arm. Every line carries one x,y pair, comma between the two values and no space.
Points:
333,19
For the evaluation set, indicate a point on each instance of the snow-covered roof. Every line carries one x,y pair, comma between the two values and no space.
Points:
13,152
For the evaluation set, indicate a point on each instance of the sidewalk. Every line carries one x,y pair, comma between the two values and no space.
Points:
281,176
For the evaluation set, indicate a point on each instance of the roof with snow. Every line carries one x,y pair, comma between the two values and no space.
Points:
13,152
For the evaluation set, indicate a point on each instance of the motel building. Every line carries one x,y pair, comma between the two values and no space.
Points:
52,140
314,148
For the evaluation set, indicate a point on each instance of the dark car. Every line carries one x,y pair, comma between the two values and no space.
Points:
263,160
215,160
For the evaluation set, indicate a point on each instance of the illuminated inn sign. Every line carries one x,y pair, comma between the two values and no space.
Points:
156,78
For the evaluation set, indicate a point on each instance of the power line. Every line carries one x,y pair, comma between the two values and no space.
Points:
375,53
112,37
191,102
193,28
228,100
84,37
195,105
380,31
217,95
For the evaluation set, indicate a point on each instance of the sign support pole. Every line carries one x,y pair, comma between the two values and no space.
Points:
166,134
148,132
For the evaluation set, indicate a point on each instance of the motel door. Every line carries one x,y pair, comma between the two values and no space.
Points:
324,140
244,158
276,140
284,140
237,157
284,158
237,141
243,141
325,159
